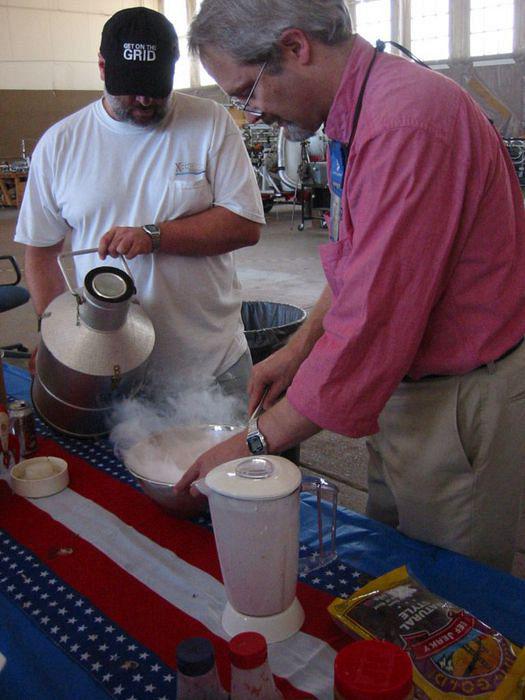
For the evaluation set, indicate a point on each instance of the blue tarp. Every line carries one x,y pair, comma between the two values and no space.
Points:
24,676
495,597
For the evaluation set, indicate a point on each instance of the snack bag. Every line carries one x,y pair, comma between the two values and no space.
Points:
454,654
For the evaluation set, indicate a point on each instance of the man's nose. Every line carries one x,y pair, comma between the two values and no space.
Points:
144,101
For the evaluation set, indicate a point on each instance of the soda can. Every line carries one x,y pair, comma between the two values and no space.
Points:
22,425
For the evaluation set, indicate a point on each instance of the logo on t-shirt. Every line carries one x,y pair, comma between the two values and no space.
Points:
139,52
188,168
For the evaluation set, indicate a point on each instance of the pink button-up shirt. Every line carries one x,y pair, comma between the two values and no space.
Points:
428,275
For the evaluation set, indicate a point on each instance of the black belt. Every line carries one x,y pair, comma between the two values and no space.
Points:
406,378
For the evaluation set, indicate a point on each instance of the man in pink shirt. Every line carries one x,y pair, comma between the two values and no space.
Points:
416,340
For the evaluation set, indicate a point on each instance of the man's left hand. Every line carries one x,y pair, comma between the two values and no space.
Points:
129,241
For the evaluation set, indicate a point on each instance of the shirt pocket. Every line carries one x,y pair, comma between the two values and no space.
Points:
334,259
189,196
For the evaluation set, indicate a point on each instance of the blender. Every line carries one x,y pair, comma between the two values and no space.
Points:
254,504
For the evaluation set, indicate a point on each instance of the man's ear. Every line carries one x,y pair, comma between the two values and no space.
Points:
295,44
102,67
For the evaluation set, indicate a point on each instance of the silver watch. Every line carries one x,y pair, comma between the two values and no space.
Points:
153,232
255,439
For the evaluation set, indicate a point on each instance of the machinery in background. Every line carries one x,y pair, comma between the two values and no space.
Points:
17,165
516,149
261,143
303,166
289,171
13,176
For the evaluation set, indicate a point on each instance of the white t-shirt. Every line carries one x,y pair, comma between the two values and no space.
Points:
90,172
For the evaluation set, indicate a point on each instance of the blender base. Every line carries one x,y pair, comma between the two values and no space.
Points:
275,628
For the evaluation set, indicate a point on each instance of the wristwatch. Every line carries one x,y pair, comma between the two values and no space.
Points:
255,439
153,232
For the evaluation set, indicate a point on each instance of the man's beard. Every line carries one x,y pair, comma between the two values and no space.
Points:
292,131
124,113
297,133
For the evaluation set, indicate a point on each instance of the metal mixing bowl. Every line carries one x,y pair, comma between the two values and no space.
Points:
158,461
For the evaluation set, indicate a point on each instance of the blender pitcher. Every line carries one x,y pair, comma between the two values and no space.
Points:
254,505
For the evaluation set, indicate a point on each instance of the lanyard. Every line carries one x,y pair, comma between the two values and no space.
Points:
339,151
338,157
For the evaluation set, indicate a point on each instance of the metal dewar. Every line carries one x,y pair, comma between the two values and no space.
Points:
94,348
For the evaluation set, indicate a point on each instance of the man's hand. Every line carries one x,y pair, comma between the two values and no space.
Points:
129,241
282,426
219,454
276,372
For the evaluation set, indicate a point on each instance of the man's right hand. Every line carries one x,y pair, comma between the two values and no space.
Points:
276,372
129,241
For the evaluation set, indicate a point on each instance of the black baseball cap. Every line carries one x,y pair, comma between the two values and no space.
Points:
140,48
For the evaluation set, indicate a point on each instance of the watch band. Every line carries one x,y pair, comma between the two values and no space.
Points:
153,232
255,439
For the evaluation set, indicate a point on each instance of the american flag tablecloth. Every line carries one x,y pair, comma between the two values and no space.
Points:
98,585
113,583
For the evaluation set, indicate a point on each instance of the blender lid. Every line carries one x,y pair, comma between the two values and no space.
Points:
255,478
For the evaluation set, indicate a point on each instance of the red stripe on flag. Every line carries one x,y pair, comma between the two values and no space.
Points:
120,596
138,610
192,543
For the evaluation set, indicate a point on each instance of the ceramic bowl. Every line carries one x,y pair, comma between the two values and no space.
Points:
25,479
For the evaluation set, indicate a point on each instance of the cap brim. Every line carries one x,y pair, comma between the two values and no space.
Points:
132,81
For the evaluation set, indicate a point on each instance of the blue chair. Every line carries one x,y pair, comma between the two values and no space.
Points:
11,296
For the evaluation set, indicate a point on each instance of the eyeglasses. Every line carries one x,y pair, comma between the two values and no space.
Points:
242,105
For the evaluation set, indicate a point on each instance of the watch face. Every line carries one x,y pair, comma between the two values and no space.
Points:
255,444
153,232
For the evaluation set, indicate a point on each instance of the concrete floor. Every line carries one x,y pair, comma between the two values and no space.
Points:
283,267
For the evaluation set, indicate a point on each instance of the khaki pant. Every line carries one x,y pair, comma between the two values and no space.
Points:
448,465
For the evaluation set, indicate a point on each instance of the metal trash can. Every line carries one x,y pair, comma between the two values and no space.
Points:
268,324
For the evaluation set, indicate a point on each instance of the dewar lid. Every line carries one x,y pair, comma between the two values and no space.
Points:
255,478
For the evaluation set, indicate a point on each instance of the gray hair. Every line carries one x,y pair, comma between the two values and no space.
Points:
249,30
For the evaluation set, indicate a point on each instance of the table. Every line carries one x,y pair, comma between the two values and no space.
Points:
12,185
98,585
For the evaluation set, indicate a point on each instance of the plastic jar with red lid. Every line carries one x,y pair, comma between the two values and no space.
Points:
251,673
372,670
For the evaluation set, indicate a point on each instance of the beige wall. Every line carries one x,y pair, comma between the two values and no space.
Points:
26,114
53,44
48,63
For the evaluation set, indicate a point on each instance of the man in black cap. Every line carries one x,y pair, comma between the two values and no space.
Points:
137,58
162,179
141,48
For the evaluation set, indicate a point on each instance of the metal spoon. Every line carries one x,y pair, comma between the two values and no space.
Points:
259,407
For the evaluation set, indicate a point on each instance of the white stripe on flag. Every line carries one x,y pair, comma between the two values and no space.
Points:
306,661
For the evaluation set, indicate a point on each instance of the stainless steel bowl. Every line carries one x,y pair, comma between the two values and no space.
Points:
158,461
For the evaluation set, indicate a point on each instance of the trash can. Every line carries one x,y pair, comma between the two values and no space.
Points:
268,324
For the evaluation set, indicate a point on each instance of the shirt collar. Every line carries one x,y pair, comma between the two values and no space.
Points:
339,121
